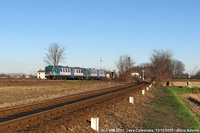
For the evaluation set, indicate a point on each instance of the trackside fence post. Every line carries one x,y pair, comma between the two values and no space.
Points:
95,123
131,100
143,92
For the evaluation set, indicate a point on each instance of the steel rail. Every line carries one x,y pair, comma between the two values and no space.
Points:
36,118
13,112
193,105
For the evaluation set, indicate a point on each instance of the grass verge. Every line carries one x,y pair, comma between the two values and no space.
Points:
168,110
194,90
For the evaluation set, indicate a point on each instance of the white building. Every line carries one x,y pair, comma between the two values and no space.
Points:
41,74
27,77
108,75
135,74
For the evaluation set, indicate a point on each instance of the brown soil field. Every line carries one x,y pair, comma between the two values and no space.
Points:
24,91
186,80
184,84
195,97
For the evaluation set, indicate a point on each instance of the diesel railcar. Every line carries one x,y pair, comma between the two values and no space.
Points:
65,72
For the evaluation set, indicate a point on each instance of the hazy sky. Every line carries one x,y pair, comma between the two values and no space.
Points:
91,29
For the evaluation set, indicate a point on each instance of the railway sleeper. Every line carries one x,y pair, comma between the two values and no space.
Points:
73,107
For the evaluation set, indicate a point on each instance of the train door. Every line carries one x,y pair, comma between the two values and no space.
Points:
59,70
72,73
98,74
85,72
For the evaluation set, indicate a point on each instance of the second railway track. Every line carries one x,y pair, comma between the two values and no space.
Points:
33,114
194,106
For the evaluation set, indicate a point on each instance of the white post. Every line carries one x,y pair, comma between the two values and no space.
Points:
189,84
131,100
143,74
143,92
150,85
147,88
95,123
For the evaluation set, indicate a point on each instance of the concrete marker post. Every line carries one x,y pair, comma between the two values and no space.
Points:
95,123
131,100
147,88
143,92
150,85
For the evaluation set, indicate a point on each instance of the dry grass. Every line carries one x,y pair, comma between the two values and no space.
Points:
24,91
195,97
184,84
180,83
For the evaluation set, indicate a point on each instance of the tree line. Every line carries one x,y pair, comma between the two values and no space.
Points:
162,67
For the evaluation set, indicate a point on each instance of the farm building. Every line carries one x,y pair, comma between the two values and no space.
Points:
41,74
135,74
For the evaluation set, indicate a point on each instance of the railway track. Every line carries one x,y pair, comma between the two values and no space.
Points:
194,106
21,117
14,112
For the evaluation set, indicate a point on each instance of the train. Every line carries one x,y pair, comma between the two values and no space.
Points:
65,72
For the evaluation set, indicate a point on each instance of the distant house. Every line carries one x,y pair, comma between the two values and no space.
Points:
107,75
41,74
135,74
27,77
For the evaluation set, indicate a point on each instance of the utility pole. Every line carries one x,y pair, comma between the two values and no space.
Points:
143,74
100,63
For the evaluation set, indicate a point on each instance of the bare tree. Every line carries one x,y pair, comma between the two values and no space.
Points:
124,65
161,64
197,75
55,54
177,67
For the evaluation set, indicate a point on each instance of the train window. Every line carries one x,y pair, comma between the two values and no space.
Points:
69,70
76,71
60,70
81,71
66,70
63,70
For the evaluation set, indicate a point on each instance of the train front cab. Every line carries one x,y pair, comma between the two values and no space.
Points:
49,72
